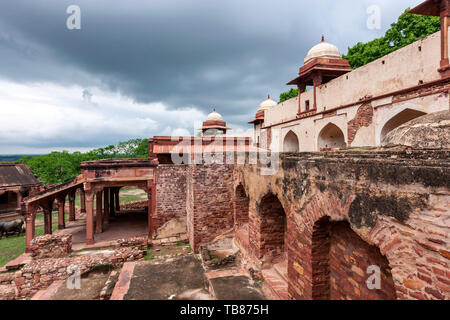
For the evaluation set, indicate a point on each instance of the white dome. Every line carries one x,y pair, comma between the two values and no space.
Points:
266,104
323,50
214,116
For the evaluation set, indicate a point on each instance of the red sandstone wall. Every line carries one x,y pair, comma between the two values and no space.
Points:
170,192
210,202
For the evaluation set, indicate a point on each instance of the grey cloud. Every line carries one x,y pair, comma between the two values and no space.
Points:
204,53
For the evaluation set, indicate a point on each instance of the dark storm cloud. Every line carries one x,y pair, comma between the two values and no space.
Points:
201,53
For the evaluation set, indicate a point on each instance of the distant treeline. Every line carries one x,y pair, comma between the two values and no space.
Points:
10,158
59,167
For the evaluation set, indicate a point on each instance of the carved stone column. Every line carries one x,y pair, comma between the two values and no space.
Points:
61,219
99,213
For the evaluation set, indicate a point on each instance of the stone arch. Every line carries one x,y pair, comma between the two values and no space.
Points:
331,136
398,119
340,265
291,142
330,249
241,205
273,228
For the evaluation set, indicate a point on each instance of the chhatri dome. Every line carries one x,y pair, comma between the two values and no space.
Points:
323,50
267,104
214,116
214,125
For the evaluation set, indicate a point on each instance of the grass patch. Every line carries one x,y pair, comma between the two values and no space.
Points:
14,246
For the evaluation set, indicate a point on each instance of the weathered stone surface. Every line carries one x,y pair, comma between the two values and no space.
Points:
429,131
172,228
51,246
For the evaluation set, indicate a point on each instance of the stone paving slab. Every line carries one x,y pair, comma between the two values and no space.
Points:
180,277
236,287
47,294
123,283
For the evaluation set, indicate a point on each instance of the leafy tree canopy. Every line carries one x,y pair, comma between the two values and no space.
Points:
409,28
288,95
58,167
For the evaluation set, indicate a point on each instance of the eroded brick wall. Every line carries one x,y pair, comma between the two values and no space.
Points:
171,192
240,206
349,260
363,118
273,226
385,207
210,202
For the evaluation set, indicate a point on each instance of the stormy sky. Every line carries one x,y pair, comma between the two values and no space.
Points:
139,68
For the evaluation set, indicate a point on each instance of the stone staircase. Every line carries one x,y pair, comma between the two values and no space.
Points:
276,280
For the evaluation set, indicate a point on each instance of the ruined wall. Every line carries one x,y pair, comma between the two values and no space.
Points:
350,255
170,192
394,204
210,202
240,206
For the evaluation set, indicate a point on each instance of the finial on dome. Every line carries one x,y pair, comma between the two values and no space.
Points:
214,110
268,97
323,38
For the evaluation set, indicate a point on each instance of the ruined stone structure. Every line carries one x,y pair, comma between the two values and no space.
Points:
329,222
16,182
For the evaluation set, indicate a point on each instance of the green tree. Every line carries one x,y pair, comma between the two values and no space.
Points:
288,95
58,167
409,28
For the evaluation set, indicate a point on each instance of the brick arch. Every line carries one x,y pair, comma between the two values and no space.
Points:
340,262
310,245
241,205
272,226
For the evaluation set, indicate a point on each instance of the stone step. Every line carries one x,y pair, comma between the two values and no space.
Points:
281,268
232,285
276,284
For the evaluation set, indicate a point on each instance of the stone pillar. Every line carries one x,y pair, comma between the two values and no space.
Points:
61,220
72,206
19,201
48,218
89,218
445,23
30,226
317,81
82,201
151,208
111,202
98,217
106,206
117,199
